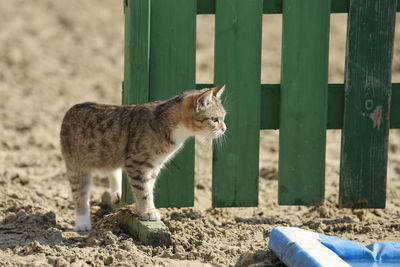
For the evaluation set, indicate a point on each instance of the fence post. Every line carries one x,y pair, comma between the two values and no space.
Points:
367,103
304,89
135,88
172,70
238,64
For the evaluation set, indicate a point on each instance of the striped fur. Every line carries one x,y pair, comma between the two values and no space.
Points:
138,138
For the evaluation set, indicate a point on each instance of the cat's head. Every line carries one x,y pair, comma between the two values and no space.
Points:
206,113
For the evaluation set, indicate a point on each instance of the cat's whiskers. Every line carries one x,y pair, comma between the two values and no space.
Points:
220,140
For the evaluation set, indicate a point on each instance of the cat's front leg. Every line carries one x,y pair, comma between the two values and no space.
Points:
147,209
142,181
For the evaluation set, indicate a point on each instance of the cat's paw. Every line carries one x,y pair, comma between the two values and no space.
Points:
82,223
152,215
82,227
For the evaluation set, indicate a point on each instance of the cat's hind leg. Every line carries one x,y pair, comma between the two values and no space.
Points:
80,188
115,178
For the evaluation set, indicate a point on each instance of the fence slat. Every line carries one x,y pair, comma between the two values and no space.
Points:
395,107
367,104
238,64
137,48
172,70
136,66
270,106
303,102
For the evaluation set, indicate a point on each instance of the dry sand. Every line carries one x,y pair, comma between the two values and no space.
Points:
54,54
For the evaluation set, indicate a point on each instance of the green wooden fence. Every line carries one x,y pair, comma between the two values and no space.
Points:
160,58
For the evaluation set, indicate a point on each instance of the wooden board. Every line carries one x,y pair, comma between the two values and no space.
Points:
137,52
135,90
395,107
275,6
238,64
151,233
367,103
172,71
304,88
136,65
270,106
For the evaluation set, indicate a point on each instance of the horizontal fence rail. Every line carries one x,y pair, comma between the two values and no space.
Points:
205,7
270,106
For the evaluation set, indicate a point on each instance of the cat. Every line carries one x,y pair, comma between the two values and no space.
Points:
138,138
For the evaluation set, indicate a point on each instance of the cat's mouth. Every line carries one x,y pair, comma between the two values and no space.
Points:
218,133
213,134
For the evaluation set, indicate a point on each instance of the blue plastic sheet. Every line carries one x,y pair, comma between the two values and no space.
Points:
351,251
347,249
298,247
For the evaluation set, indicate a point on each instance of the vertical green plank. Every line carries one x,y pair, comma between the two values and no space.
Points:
136,65
137,48
206,6
272,6
340,6
395,107
172,70
303,101
367,103
270,106
238,64
335,106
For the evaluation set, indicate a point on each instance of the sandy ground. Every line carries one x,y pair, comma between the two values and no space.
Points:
54,54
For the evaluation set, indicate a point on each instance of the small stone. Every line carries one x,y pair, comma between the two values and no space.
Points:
119,256
109,260
377,213
323,212
78,263
62,262
366,229
167,254
269,173
200,186
260,256
361,214
110,238
36,246
70,234
179,249
314,225
245,259
52,260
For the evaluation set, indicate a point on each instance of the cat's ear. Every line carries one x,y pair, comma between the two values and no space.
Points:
217,91
204,99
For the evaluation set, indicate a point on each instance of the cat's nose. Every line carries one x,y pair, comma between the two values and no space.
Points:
224,128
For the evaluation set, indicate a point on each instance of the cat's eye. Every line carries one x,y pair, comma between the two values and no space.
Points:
215,119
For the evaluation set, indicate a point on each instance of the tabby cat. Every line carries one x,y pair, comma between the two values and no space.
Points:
138,138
